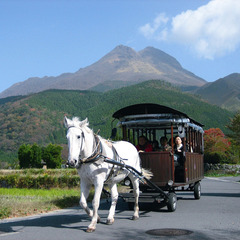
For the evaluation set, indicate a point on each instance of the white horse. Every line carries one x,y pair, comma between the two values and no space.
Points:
87,152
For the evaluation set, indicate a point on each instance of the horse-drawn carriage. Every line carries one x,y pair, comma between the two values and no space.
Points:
154,121
101,162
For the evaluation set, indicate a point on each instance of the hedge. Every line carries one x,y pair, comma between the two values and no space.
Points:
39,178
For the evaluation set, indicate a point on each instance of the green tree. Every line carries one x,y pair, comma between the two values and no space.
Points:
234,126
52,156
30,156
24,156
36,156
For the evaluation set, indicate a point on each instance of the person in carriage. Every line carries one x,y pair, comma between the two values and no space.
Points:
178,151
144,145
164,144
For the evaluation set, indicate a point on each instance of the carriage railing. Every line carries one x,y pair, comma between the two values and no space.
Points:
161,165
194,167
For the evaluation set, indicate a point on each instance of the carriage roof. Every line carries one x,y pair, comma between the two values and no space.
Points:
151,115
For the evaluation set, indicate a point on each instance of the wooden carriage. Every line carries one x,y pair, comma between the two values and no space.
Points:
153,121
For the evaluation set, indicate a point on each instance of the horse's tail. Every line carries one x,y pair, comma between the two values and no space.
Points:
147,173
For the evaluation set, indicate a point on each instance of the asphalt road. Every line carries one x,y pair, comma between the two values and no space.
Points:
215,216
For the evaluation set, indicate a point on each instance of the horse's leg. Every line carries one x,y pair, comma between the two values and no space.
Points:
114,196
135,183
96,201
85,189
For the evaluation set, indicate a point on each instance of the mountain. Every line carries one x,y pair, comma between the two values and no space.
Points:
38,118
120,67
225,92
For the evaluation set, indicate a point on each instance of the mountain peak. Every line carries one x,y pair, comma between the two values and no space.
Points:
122,51
156,56
229,90
122,64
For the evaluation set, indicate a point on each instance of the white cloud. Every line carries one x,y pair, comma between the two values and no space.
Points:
151,30
211,31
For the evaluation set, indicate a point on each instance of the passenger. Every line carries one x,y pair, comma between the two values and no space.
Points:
155,145
164,144
144,145
178,151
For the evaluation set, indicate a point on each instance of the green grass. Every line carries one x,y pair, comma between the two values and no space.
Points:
22,202
221,173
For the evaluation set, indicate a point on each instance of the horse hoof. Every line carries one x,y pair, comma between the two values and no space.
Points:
135,217
90,230
98,219
110,221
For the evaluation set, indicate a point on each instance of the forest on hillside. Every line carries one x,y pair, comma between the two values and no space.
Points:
38,118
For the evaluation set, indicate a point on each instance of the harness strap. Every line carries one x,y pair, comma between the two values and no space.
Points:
118,159
112,169
96,154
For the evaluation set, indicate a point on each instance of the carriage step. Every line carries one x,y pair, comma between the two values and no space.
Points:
143,197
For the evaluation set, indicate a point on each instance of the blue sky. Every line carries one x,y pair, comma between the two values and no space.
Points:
47,38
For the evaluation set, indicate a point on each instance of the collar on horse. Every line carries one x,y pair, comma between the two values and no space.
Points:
96,154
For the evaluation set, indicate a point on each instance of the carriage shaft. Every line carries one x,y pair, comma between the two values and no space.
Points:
139,175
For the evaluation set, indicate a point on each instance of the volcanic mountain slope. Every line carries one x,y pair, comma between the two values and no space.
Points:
225,92
120,67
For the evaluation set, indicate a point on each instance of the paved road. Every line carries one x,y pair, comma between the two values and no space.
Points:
215,216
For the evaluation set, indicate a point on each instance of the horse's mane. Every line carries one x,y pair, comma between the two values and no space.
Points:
82,124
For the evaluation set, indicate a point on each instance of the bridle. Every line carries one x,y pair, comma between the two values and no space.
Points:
97,153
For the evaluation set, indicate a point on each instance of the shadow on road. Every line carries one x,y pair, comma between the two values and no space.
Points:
66,220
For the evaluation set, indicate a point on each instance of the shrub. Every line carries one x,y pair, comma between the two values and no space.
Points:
5,212
52,156
214,157
36,178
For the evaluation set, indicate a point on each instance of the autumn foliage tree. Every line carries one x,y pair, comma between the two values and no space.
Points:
216,146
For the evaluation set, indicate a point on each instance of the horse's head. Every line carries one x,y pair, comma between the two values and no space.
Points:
76,139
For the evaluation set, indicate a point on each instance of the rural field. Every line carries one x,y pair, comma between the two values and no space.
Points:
18,202
22,202
56,189
32,191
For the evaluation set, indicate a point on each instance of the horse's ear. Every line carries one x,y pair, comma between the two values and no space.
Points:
66,122
84,122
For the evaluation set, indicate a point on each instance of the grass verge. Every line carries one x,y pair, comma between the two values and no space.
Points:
221,173
16,202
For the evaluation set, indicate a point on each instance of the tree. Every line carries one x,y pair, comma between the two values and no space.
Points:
30,156
24,156
234,126
36,156
216,146
52,156
215,141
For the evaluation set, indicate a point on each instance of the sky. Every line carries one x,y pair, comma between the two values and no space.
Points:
49,37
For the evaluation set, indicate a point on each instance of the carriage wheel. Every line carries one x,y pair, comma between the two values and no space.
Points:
197,190
172,202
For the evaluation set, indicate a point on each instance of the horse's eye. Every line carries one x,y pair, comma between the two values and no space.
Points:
78,137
